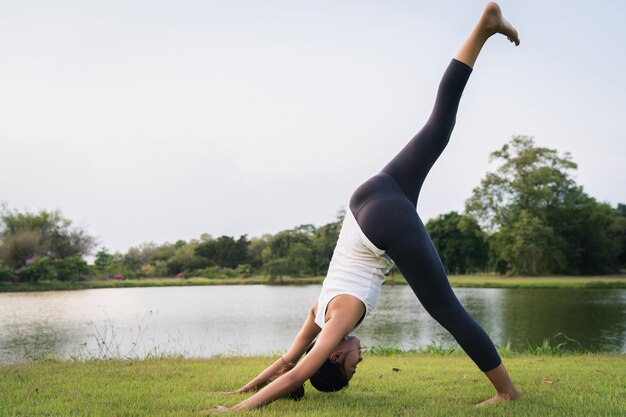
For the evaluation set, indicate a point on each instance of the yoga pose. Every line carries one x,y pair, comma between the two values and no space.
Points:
381,228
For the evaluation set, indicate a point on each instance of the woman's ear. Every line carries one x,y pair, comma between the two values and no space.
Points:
336,357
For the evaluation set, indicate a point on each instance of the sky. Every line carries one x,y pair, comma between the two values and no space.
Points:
163,120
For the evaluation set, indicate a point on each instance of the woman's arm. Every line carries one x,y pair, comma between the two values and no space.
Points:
343,317
287,361
334,331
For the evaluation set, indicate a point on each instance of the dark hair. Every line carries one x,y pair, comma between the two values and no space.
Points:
330,377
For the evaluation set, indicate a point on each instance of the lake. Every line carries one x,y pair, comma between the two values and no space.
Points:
259,319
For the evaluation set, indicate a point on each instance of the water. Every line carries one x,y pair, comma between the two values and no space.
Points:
205,321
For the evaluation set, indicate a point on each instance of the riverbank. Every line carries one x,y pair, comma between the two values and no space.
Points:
395,385
480,281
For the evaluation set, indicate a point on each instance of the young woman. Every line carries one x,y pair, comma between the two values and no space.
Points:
381,228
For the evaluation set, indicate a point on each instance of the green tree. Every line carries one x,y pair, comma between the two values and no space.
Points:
17,248
277,268
539,220
323,244
103,259
45,234
284,240
224,251
460,242
71,268
530,178
186,259
259,250
133,260
300,259
528,246
5,272
621,234
38,269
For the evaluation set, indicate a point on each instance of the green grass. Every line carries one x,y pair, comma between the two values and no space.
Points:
150,282
416,384
486,281
480,281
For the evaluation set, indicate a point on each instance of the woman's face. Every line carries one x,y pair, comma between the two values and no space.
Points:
350,348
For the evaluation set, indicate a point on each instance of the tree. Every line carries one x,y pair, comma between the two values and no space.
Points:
134,259
539,220
277,268
224,251
282,241
530,178
25,235
300,259
103,260
186,259
621,233
323,242
19,247
71,268
528,246
460,242
39,269
258,250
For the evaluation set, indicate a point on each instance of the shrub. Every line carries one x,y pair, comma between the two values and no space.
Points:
154,270
71,268
229,273
40,269
244,270
218,272
5,272
277,268
209,272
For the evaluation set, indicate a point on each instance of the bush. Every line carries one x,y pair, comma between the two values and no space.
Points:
40,269
218,272
209,272
158,269
71,268
277,268
18,248
229,273
244,270
5,272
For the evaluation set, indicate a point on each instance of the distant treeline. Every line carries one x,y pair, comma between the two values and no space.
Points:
528,217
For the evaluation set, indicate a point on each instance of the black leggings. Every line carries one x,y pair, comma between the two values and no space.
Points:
385,209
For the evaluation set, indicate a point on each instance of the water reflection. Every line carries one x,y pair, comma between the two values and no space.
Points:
203,321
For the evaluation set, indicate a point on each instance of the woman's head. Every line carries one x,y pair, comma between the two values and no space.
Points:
339,368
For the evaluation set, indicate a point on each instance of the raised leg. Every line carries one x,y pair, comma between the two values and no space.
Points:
411,165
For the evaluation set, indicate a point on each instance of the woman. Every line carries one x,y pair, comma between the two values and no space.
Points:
382,228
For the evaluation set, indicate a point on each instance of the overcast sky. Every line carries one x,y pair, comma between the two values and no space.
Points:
162,120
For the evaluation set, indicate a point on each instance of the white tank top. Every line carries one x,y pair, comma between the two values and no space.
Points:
357,268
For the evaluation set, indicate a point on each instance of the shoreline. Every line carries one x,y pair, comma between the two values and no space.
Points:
458,281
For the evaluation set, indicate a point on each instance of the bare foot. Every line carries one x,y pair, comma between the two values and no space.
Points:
493,22
500,397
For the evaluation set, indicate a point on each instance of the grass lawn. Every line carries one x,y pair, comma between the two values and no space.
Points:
415,384
493,281
614,281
